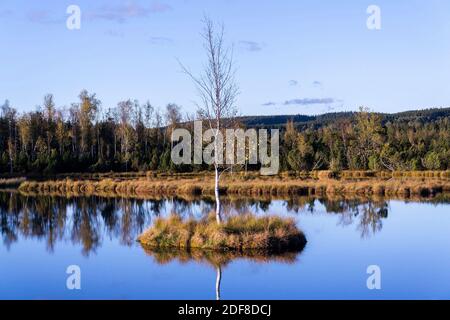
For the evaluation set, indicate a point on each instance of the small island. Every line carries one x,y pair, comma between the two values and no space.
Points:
237,232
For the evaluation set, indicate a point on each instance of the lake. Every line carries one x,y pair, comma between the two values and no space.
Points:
42,236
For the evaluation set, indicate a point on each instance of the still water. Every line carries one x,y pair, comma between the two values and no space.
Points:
42,236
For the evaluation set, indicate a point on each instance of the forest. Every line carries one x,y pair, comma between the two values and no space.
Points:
87,137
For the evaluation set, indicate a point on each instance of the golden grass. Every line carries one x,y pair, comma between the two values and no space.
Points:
238,232
11,183
251,175
251,185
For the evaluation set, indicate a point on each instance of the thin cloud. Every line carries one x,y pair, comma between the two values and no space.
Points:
42,17
333,108
114,33
308,101
268,104
124,12
160,40
317,84
293,83
251,46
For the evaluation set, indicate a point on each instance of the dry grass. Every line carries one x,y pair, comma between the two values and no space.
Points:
239,232
251,175
11,183
251,185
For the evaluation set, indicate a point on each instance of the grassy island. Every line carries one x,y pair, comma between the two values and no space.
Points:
238,232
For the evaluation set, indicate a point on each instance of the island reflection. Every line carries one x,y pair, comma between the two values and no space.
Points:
219,259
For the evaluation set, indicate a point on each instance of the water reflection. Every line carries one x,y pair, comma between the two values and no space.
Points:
88,221
219,259
84,221
368,216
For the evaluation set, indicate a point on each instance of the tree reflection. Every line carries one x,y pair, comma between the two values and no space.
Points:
89,221
218,281
371,218
368,214
82,221
219,260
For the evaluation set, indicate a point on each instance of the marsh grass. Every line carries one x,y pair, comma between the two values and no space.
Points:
412,184
11,183
239,232
252,175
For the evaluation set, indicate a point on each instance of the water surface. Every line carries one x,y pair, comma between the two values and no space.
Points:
42,236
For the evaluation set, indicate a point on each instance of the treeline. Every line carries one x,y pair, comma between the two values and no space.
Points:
302,121
136,137
86,138
369,141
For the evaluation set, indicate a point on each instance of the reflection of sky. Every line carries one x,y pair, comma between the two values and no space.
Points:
411,249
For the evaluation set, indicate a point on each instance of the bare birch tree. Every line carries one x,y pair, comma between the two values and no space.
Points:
217,91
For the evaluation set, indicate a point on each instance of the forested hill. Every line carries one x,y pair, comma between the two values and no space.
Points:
424,116
136,137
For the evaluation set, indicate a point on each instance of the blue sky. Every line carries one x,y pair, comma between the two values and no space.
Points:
306,57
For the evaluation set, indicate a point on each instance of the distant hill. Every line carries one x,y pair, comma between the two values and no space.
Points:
426,115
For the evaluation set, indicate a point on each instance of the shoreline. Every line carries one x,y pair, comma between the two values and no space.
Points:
240,187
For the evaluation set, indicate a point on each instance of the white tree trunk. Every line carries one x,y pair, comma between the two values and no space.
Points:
217,195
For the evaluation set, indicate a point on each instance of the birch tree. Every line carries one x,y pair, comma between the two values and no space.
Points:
217,91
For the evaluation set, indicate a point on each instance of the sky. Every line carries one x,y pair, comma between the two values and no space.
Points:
292,56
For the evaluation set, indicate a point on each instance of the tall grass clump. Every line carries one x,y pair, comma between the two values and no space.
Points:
238,232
